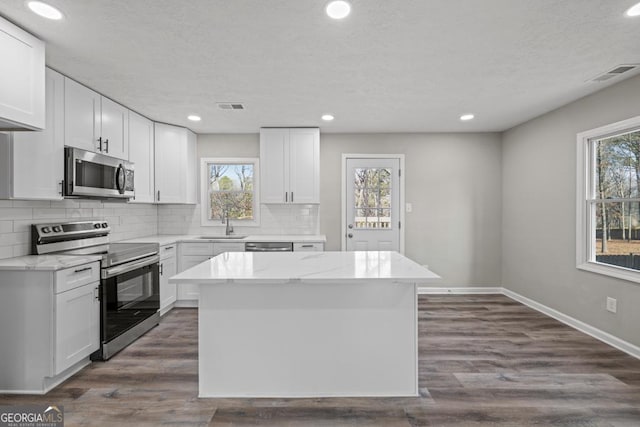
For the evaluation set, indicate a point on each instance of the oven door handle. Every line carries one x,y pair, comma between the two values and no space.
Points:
120,269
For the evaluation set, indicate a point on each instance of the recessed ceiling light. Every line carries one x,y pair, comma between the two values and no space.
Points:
194,118
466,117
45,10
634,10
338,9
327,117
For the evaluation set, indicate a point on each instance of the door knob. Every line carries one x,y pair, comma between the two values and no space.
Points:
350,235
350,225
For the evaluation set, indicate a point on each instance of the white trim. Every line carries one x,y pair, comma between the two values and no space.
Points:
596,333
460,290
605,337
343,210
204,204
584,164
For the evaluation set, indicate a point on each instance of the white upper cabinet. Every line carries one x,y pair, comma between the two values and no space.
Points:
175,164
142,156
290,165
22,81
31,163
95,123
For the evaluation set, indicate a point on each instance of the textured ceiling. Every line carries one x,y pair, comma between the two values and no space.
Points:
391,66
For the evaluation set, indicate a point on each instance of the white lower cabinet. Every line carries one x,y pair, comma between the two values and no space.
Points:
194,253
168,268
75,339
49,325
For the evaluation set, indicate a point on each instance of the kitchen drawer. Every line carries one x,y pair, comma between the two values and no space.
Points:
308,246
168,251
187,262
196,249
219,248
74,277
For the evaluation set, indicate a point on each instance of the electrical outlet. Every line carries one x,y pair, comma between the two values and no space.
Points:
612,304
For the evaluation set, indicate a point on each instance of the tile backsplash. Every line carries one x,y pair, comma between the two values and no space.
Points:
274,219
127,220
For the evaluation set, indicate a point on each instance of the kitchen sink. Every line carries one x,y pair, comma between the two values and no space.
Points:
221,237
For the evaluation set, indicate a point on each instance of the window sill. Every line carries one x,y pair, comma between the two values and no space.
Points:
611,271
233,224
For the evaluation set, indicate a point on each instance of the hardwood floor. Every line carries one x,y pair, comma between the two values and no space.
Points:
484,360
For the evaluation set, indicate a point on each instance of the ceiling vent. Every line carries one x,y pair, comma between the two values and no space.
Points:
230,106
619,70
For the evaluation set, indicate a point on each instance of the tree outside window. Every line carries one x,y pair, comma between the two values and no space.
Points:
229,190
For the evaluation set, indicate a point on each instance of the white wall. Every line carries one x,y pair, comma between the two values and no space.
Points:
127,221
539,214
454,184
274,219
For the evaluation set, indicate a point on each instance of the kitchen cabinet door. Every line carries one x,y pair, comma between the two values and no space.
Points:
273,173
33,162
304,166
168,293
176,164
77,325
114,129
141,153
170,146
22,79
290,165
82,115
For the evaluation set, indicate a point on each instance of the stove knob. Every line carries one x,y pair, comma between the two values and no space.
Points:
96,225
105,225
46,230
57,229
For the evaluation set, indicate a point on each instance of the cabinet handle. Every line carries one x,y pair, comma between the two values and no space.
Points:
61,187
292,197
307,246
106,145
286,196
168,247
161,269
158,195
96,294
100,144
80,270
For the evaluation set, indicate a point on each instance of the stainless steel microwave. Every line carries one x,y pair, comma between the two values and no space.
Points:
93,175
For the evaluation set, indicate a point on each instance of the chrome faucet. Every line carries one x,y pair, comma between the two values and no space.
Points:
225,218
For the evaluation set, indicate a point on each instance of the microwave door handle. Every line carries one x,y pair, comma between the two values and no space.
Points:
120,179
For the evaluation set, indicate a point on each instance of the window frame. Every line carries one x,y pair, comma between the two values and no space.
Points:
585,207
204,191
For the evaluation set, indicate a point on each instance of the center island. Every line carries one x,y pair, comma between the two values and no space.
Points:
307,324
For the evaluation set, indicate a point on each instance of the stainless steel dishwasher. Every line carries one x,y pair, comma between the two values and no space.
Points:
268,247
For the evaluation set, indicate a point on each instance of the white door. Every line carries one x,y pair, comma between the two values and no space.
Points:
82,116
141,154
304,174
273,169
372,204
114,129
168,291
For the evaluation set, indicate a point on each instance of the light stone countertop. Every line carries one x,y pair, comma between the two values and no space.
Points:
306,267
167,239
46,262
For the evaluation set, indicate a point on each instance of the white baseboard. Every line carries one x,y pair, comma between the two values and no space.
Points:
461,290
596,333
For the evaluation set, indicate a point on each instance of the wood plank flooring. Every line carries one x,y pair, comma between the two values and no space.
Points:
484,361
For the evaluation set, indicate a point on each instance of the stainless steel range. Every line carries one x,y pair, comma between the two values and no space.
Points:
129,278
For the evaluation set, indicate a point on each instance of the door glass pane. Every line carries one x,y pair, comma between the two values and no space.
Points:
372,198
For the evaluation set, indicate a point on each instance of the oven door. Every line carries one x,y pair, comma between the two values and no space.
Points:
90,174
129,294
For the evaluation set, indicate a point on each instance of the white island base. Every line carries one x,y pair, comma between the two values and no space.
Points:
343,332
